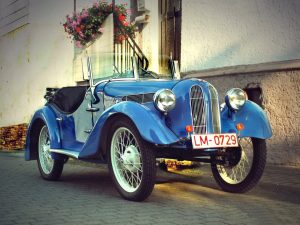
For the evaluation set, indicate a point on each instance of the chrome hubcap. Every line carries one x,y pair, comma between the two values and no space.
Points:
236,174
45,158
130,158
126,159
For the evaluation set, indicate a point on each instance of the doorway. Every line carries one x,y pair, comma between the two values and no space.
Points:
255,94
170,12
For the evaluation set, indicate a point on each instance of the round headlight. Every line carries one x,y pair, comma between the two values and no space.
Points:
235,98
164,100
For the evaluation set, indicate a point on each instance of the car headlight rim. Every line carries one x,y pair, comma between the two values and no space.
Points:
164,100
235,98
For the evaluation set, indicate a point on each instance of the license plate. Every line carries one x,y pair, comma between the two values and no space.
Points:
200,141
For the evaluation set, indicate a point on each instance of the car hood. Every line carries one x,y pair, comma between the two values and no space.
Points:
124,88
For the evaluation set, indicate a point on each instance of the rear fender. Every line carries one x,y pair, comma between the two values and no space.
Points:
252,116
46,116
150,124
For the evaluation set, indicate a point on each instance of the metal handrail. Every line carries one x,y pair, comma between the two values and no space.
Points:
131,46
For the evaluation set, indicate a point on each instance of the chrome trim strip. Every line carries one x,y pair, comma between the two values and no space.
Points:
215,106
66,152
130,79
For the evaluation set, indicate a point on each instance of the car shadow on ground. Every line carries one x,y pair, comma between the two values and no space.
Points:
279,185
85,178
198,183
98,180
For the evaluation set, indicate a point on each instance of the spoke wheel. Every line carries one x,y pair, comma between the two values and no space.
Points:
46,161
49,168
242,175
131,162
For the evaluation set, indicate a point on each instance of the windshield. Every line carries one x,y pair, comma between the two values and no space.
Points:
120,66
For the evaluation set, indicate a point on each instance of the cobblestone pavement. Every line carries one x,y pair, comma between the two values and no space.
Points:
85,195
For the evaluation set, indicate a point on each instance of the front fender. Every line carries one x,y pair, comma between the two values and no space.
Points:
150,124
48,117
256,123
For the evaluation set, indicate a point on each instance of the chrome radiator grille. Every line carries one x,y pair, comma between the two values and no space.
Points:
215,109
198,110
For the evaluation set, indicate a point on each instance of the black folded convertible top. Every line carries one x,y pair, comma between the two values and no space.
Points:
66,99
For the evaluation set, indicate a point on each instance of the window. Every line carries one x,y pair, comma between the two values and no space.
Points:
13,14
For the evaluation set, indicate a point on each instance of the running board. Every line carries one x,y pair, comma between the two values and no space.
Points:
66,152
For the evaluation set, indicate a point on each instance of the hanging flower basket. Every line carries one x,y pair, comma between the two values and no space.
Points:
85,26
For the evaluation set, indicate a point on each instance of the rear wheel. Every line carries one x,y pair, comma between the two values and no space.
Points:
244,168
50,169
131,162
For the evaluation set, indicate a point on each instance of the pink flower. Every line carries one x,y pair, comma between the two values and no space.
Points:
101,29
74,24
78,44
128,11
78,20
84,14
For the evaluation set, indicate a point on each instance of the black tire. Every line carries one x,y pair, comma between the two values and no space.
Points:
54,171
255,171
137,160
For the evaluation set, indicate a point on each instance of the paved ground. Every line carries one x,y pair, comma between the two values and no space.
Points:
85,195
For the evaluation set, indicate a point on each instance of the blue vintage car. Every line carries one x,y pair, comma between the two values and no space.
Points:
130,119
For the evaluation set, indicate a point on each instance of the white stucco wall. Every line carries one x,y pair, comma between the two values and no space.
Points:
233,32
37,56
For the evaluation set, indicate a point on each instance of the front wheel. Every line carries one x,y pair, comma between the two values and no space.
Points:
131,162
244,168
50,169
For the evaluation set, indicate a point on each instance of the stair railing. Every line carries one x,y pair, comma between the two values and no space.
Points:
127,49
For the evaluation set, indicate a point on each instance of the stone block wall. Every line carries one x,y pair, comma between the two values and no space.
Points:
281,101
13,137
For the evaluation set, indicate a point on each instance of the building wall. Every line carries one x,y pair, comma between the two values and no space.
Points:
233,32
229,34
282,104
34,57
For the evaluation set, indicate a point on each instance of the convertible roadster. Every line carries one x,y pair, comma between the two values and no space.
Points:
132,118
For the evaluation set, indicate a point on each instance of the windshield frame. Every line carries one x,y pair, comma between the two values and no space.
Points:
135,70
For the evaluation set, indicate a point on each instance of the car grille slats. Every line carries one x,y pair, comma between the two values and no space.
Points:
198,110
